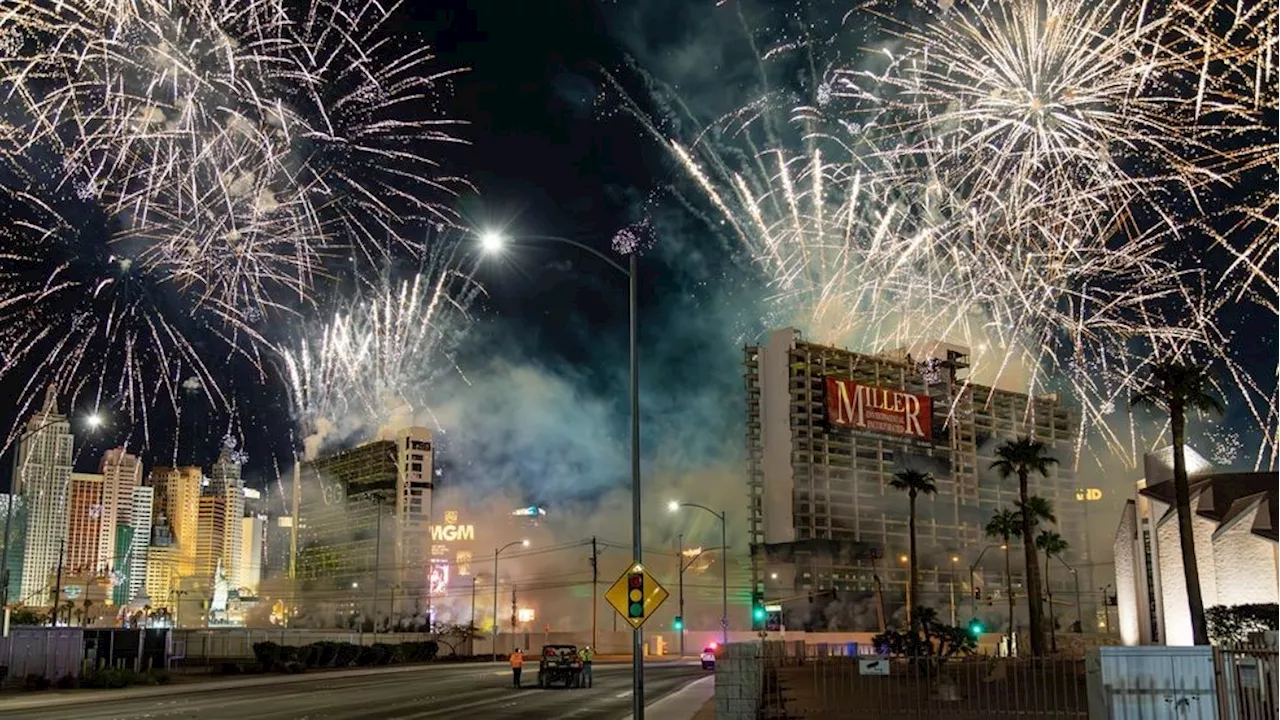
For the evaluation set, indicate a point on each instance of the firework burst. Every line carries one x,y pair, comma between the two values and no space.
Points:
378,355
1018,178
241,141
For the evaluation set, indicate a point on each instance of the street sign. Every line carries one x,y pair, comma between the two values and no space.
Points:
636,595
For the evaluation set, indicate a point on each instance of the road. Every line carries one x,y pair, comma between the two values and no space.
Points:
436,691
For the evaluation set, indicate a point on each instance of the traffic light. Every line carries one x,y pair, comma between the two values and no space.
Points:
977,593
975,627
635,595
758,613
678,624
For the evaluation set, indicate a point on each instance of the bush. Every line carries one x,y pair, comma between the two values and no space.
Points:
35,682
111,678
347,655
1232,624
267,654
67,682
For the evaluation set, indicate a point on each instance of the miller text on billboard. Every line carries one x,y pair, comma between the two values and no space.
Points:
879,409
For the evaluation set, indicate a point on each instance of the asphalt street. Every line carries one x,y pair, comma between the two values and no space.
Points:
437,691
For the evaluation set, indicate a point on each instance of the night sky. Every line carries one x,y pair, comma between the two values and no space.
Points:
540,403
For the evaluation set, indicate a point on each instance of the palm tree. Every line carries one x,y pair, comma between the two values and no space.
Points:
914,483
1021,457
1040,509
87,604
1179,387
1003,526
1052,544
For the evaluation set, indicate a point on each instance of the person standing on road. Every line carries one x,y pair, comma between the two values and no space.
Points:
517,664
587,656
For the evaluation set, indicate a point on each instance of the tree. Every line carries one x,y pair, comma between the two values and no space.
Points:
928,643
1179,387
1022,457
1004,526
914,483
1053,545
455,635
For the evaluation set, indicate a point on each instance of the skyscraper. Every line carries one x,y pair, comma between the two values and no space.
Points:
121,472
177,494
42,474
211,531
225,482
85,526
350,499
15,522
135,574
826,431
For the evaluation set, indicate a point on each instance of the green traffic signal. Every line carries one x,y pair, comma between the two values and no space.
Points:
758,614
975,627
678,624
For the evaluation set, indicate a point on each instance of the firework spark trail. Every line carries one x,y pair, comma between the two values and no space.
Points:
380,354
92,323
985,190
242,141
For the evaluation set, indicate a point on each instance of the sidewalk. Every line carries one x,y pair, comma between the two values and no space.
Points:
691,702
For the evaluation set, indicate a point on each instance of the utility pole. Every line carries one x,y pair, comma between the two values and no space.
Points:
513,609
57,588
377,558
595,579
473,605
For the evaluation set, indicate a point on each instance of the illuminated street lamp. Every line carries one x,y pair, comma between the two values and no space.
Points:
492,241
496,624
674,506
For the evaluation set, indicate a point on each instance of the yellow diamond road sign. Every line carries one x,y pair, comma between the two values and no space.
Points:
636,595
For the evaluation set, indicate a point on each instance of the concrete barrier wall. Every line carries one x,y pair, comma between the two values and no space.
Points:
47,652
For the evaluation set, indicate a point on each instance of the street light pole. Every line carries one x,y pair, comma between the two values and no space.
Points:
637,638
724,564
492,241
496,625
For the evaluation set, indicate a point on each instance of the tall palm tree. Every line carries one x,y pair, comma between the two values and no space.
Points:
914,483
1022,457
1052,544
1003,526
1179,387
1040,510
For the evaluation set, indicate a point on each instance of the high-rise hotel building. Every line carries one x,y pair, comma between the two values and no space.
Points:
42,474
827,429
365,508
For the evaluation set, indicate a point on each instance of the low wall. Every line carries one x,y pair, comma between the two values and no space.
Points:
51,653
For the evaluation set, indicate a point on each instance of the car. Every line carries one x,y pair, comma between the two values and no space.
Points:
559,664
709,657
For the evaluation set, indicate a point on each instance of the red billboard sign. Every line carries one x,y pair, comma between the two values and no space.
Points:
864,407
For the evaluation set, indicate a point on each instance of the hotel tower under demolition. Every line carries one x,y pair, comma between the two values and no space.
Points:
827,429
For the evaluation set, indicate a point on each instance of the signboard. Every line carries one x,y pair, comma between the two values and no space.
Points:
1088,494
439,583
864,407
873,665
636,604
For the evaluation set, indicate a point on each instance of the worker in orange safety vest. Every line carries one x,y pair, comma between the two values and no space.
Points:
517,664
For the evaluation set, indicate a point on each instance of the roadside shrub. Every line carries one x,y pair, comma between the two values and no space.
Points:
160,677
346,655
111,678
67,682
35,682
267,654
